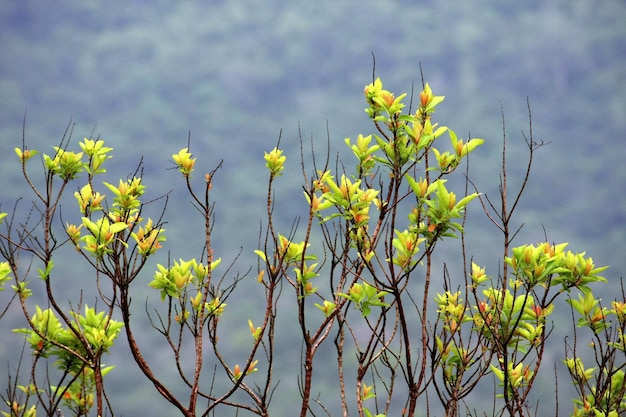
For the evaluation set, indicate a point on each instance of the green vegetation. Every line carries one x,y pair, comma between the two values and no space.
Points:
355,273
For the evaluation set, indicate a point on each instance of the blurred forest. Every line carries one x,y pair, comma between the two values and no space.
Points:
236,75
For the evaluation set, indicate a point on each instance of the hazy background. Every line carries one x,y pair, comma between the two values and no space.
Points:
143,74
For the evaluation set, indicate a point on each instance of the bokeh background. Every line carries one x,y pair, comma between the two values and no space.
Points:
234,76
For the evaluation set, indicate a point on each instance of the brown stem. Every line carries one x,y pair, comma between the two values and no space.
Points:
140,360
308,376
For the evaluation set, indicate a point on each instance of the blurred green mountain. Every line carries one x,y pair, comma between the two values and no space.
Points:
236,75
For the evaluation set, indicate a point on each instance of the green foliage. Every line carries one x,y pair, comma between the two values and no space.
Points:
65,164
71,348
365,296
5,274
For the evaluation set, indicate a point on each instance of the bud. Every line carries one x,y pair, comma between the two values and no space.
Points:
387,97
275,161
184,161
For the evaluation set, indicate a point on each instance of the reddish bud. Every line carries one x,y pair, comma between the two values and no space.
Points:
387,97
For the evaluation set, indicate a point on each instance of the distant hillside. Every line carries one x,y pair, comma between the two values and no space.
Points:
142,75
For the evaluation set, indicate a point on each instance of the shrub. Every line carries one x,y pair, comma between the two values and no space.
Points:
358,271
